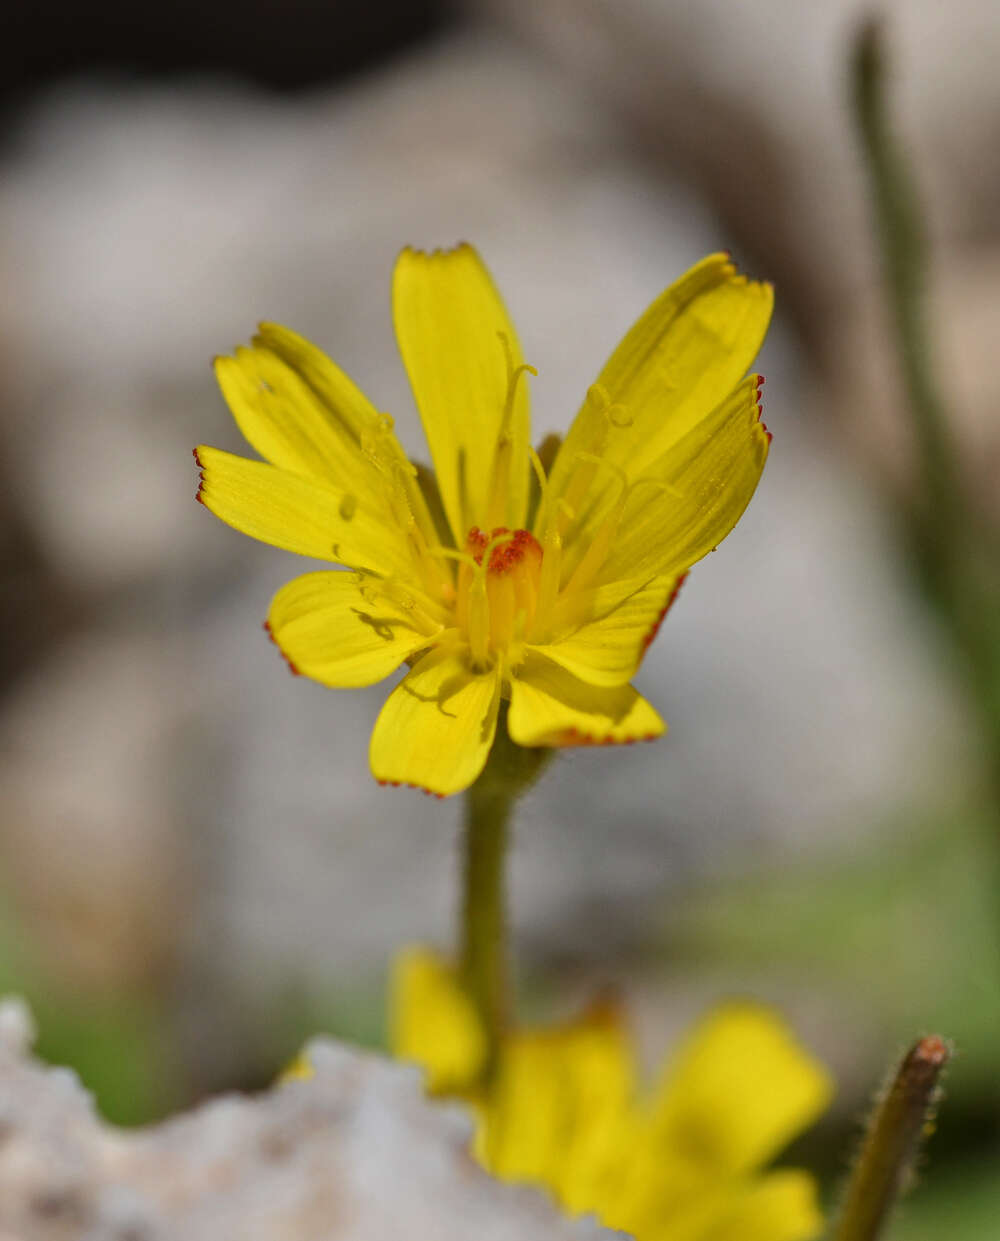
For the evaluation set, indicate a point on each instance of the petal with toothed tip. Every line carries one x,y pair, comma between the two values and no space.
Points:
673,367
449,319
284,419
703,484
608,651
550,706
346,403
437,726
299,514
344,629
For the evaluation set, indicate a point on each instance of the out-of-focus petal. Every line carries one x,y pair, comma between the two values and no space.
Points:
738,1090
781,1206
557,1113
433,1022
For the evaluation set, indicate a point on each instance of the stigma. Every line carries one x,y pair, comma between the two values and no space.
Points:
498,592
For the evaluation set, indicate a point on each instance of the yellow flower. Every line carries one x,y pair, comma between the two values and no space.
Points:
502,581
681,1162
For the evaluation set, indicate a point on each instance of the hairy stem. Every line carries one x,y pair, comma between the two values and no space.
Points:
489,803
885,1163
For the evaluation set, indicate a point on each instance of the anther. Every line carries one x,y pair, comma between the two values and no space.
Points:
498,590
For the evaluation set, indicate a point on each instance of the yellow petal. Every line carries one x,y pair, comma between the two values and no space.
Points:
710,476
555,1113
433,1022
577,607
687,351
608,651
782,1206
298,514
344,401
344,629
437,726
739,1090
550,706
303,414
449,319
282,417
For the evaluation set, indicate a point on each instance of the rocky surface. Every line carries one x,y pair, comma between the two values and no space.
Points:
355,1154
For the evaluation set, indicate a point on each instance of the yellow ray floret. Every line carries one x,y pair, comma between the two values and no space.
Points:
488,593
565,1110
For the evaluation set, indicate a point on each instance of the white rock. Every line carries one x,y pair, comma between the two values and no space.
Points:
355,1154
17,1026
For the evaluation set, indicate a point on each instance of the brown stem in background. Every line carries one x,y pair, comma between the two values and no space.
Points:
885,1164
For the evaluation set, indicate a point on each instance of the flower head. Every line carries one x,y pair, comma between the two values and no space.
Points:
501,579
565,1110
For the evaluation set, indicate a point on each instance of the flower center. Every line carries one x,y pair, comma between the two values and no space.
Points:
497,598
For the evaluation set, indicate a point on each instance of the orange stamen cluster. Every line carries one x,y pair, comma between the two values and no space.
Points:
506,555
498,592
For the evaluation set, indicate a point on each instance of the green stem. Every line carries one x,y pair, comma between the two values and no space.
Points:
903,252
510,770
484,931
885,1164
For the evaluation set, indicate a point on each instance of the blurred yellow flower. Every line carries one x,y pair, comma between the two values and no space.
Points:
681,1162
502,580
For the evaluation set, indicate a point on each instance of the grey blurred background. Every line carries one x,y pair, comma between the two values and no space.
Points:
197,869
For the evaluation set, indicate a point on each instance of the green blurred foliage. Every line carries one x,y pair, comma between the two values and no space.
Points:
903,932
960,1204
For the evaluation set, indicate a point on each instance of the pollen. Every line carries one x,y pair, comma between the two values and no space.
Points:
497,598
507,555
